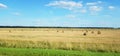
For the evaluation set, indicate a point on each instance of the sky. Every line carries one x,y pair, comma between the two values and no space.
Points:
65,13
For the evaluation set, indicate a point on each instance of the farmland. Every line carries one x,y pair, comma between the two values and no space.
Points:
62,40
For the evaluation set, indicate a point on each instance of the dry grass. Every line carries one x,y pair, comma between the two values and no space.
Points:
69,39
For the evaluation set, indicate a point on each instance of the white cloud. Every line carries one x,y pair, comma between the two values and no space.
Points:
79,7
71,16
90,3
3,5
107,15
80,10
99,2
95,8
16,13
83,11
71,5
94,3
111,7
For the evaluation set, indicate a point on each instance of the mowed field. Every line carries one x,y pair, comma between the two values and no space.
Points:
62,39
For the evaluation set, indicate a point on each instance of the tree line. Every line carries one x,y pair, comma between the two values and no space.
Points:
58,27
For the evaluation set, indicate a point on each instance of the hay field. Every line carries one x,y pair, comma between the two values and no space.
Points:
100,40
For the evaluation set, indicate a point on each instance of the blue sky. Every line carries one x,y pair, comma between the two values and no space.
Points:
71,13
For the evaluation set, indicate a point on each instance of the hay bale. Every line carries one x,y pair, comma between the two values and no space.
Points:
62,31
92,32
84,34
9,31
57,31
98,32
86,30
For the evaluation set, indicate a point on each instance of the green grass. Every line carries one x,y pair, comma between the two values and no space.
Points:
50,52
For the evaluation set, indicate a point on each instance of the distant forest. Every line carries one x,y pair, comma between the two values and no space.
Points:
57,27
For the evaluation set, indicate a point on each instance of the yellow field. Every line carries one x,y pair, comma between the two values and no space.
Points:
61,38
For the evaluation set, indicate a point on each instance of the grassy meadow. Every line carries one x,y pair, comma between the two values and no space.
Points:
59,42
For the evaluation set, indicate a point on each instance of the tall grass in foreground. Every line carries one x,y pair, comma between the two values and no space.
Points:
96,47
51,52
